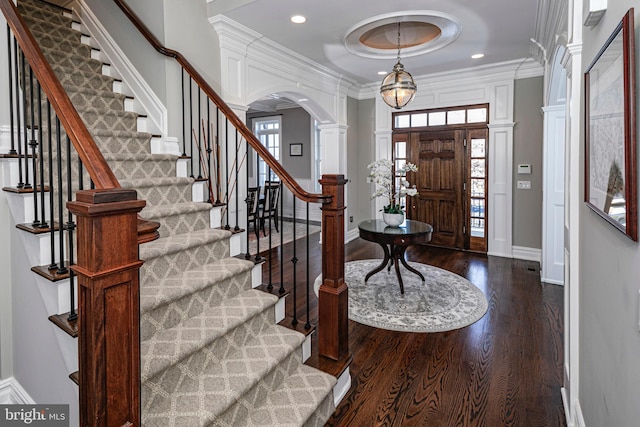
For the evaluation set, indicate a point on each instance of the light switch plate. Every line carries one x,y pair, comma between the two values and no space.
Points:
524,185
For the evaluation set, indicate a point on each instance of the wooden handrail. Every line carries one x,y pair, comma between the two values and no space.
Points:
89,153
275,166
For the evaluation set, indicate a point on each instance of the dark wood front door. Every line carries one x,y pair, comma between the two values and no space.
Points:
439,156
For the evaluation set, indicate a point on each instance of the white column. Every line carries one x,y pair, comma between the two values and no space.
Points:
553,195
572,62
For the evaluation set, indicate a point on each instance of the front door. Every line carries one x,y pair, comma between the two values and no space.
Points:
440,158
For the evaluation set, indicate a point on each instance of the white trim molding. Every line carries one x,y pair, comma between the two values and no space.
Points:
527,254
12,393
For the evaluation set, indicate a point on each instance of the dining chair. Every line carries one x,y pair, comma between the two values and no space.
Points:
268,209
253,194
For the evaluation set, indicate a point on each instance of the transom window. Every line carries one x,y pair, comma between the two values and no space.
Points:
442,117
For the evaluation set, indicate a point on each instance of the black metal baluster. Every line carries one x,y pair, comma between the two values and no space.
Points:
43,222
12,150
237,185
184,128
191,120
281,290
256,197
226,169
52,233
19,114
308,324
209,151
294,261
80,173
33,144
218,166
70,226
26,184
199,134
270,238
61,267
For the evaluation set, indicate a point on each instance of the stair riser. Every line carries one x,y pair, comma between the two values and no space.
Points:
44,14
178,224
76,48
94,81
168,316
215,351
125,169
72,61
56,30
45,7
110,120
164,194
236,413
172,264
80,100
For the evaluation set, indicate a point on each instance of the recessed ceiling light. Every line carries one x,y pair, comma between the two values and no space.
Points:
298,19
382,73
477,55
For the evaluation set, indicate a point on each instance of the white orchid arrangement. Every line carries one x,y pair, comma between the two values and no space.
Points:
382,174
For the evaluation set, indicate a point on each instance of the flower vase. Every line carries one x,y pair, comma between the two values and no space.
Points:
393,219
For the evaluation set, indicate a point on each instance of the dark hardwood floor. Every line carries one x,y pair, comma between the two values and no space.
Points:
504,370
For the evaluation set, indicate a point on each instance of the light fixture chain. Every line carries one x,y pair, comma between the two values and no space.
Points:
398,41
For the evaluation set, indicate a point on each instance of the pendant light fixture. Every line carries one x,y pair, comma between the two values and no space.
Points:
398,87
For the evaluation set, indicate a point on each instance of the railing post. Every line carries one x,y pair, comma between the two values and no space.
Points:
333,325
108,298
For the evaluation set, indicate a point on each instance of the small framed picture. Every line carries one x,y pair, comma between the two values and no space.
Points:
295,149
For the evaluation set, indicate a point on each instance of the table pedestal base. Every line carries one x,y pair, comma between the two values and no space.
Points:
393,254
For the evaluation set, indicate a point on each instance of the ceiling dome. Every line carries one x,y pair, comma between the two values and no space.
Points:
421,32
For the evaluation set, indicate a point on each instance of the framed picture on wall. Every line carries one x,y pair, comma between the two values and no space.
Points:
295,150
610,131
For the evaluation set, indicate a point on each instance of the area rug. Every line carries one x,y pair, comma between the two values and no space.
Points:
443,302
286,229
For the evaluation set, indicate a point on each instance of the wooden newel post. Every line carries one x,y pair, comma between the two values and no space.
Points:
108,306
333,309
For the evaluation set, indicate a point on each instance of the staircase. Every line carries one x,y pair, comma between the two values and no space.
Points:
212,352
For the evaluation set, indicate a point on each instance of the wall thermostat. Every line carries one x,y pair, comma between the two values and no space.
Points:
524,169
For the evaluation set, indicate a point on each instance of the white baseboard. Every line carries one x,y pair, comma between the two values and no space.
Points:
528,254
351,235
12,393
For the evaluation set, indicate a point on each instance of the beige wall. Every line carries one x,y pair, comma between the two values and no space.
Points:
527,149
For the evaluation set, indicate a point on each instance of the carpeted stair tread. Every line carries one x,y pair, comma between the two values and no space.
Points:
291,405
44,12
181,242
71,60
141,165
162,292
157,212
85,79
49,41
180,218
169,346
108,119
53,25
83,96
197,390
43,5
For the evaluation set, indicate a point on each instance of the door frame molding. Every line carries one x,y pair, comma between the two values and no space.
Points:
494,86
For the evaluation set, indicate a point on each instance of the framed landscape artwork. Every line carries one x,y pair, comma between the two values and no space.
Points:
610,131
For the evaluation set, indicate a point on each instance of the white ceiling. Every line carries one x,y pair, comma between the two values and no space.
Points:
501,29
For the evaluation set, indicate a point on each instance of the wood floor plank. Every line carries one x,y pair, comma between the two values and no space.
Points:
504,370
